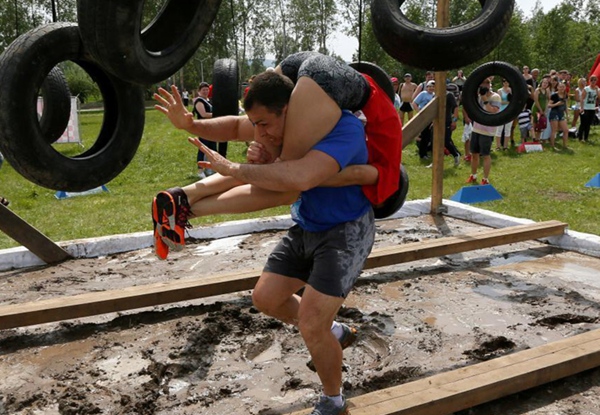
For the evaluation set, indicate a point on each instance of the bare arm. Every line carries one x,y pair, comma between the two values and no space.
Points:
417,91
229,128
356,174
294,175
202,110
537,100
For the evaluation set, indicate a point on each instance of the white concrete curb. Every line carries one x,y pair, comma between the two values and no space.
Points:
20,257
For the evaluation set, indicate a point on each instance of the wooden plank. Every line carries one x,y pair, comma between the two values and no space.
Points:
473,385
416,124
84,305
91,304
28,236
461,243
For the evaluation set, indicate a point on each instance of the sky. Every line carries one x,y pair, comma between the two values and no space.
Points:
345,46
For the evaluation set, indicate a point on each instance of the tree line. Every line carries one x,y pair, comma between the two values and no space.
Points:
253,31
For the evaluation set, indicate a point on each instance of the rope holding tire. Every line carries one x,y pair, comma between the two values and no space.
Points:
440,49
470,95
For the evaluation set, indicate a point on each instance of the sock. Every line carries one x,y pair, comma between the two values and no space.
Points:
337,330
337,400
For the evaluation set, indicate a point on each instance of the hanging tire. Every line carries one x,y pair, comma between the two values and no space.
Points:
23,67
57,105
112,32
225,88
393,203
444,48
470,96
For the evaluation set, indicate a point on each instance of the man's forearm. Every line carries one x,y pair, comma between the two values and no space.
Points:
227,128
359,174
293,175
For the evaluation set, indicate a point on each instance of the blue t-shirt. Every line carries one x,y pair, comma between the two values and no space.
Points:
423,99
322,208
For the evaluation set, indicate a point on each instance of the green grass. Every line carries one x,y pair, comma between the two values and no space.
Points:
539,186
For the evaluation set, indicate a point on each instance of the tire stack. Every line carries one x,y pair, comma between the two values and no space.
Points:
120,56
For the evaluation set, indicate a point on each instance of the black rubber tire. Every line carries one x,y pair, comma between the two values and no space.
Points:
470,93
23,67
378,75
440,49
225,88
57,105
112,32
393,203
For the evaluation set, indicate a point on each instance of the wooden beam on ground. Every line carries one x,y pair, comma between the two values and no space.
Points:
434,248
448,392
85,305
28,236
416,124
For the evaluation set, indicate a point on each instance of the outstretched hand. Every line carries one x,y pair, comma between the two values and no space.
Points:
172,106
214,160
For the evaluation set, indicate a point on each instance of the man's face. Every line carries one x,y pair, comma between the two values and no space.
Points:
268,125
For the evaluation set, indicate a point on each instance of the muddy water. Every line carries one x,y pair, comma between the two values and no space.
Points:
220,355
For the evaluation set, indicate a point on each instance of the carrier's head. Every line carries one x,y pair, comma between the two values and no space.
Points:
266,104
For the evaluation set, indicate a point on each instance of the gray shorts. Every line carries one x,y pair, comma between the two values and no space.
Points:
328,261
481,144
346,86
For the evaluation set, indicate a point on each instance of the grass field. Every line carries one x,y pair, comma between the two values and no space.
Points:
539,186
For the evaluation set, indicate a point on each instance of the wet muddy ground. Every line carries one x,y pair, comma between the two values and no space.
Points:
219,355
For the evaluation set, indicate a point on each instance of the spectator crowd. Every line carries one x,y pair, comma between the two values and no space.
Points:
559,107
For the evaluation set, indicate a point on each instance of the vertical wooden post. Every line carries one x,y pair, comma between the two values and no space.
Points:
439,123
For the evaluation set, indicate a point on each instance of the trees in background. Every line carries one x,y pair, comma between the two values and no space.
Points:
254,31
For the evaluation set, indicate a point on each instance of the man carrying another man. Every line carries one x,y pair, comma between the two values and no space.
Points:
325,252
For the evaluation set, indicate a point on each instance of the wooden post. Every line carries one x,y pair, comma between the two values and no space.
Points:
439,123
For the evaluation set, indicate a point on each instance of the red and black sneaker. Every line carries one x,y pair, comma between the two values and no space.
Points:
160,248
170,211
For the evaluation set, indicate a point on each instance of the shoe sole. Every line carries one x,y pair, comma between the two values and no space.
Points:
174,246
161,250
166,205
